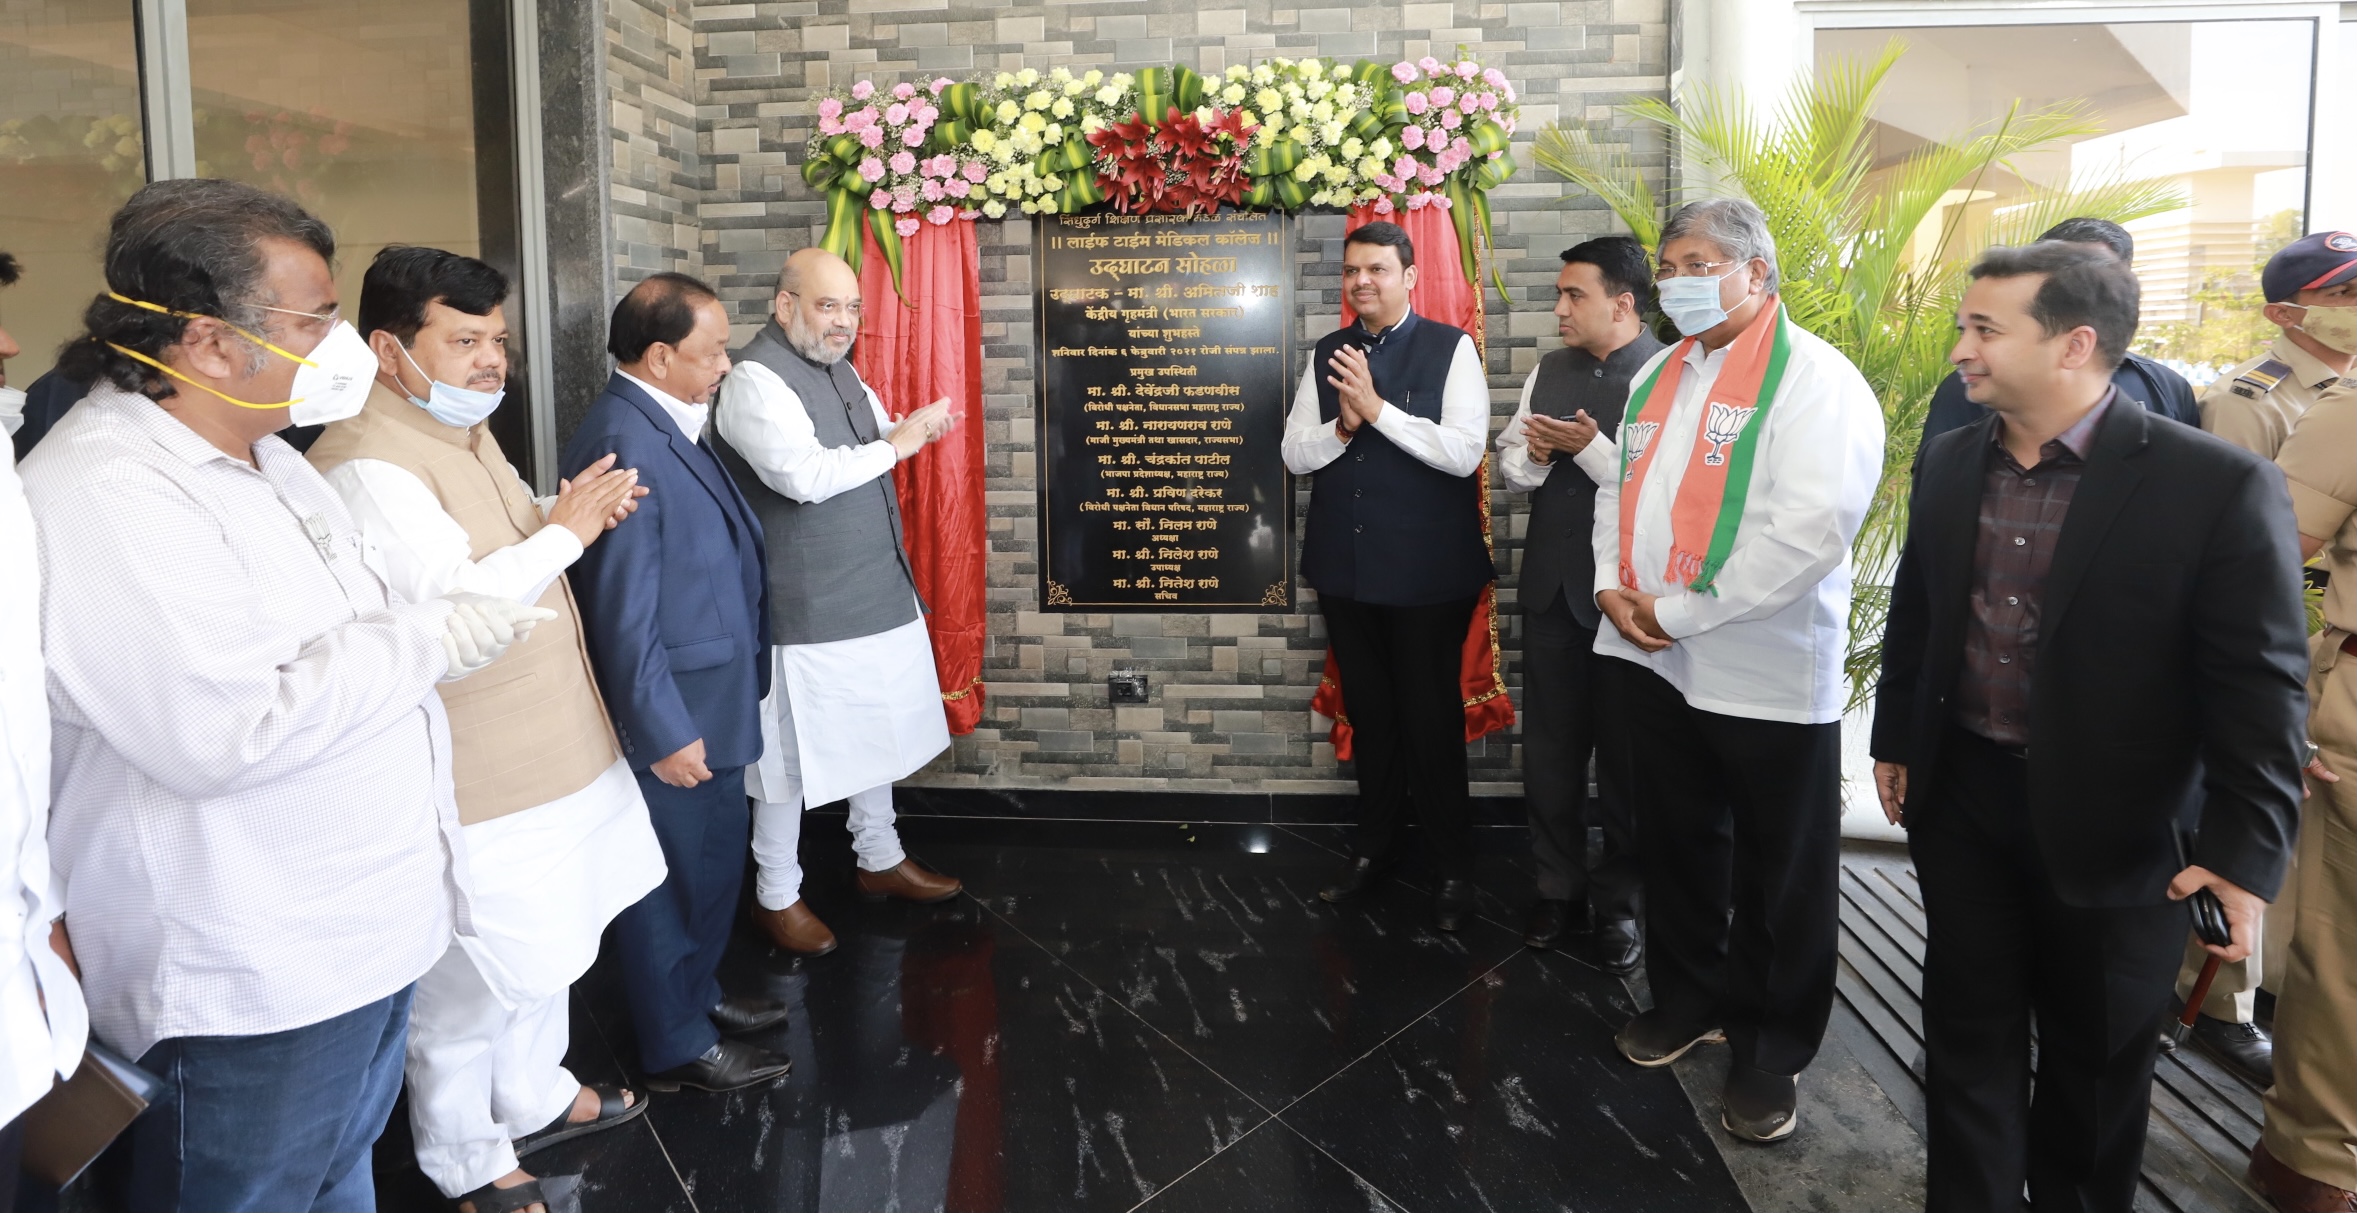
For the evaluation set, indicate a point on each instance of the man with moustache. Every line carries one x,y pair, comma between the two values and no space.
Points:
1391,419
853,702
1571,407
676,606
2090,710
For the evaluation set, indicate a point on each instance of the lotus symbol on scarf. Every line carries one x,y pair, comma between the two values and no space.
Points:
1723,426
1638,435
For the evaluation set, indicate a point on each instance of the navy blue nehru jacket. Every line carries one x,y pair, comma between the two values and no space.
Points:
1385,527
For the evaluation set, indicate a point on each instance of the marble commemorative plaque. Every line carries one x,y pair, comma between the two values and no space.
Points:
1165,358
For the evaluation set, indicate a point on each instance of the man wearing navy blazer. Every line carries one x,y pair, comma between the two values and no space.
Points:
677,617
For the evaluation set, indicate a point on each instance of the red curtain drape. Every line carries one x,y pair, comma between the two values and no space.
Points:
918,345
1441,293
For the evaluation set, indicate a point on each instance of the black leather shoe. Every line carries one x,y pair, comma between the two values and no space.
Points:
1452,900
740,1014
1358,875
1758,1106
1619,947
723,1067
1549,919
2241,1047
1651,1040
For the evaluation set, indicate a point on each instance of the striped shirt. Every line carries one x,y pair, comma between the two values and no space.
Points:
2022,512
252,827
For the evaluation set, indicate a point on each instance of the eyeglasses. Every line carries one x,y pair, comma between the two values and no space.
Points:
326,320
1692,269
834,307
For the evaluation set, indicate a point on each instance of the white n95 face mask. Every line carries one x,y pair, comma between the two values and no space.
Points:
331,382
456,407
12,409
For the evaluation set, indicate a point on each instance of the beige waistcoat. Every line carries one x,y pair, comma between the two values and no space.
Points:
529,728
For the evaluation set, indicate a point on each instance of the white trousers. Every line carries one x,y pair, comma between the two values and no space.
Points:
481,1074
777,841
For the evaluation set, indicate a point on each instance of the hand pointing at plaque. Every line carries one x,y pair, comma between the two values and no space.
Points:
1354,385
922,428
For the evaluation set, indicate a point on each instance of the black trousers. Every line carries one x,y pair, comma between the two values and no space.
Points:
1402,689
1571,708
1739,829
2003,950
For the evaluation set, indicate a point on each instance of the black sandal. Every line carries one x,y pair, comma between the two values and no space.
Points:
491,1199
611,1111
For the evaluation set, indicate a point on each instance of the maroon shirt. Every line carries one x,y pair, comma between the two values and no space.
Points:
2022,511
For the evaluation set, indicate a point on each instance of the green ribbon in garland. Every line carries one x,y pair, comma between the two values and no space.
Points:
963,111
1163,89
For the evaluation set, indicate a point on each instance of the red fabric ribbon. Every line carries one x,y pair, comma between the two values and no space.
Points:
1442,293
913,350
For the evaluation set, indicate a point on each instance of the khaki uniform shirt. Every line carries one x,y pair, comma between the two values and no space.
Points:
2320,461
2255,404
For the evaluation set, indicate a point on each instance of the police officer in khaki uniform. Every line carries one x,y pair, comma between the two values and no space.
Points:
2307,1154
2311,290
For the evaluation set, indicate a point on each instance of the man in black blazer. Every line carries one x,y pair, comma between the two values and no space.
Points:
2091,707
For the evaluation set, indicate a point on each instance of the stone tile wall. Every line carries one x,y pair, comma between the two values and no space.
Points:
1229,708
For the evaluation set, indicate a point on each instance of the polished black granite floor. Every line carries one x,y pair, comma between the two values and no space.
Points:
1146,1014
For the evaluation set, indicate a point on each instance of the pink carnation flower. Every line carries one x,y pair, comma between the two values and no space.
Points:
871,136
863,90
1468,70
1416,103
1451,120
904,90
1430,175
1429,64
940,215
1411,137
1509,94
976,173
926,113
940,83
1462,148
956,188
931,190
896,113
1405,167
902,162
1417,202
904,198
905,226
1403,71
913,136
871,169
1444,95
830,126
832,107
1496,78
1383,206
1489,101
880,199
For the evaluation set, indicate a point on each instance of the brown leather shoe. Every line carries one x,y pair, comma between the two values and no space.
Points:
909,882
2293,1192
796,929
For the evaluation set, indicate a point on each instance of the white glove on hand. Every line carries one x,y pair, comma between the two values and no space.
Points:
481,627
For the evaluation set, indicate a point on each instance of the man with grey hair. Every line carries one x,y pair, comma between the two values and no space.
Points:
854,703
1747,456
253,824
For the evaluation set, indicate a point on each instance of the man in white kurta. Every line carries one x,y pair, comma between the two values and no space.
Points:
552,817
854,703
42,1022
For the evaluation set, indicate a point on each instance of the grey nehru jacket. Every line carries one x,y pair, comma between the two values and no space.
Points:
837,570
1558,550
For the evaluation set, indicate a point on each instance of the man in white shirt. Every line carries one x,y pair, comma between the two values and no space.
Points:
1749,453
42,1023
546,801
1392,419
854,704
253,827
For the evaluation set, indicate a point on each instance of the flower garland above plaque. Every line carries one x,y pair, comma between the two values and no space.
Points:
1164,345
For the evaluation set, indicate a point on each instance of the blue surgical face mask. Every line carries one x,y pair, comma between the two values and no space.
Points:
456,407
1692,303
